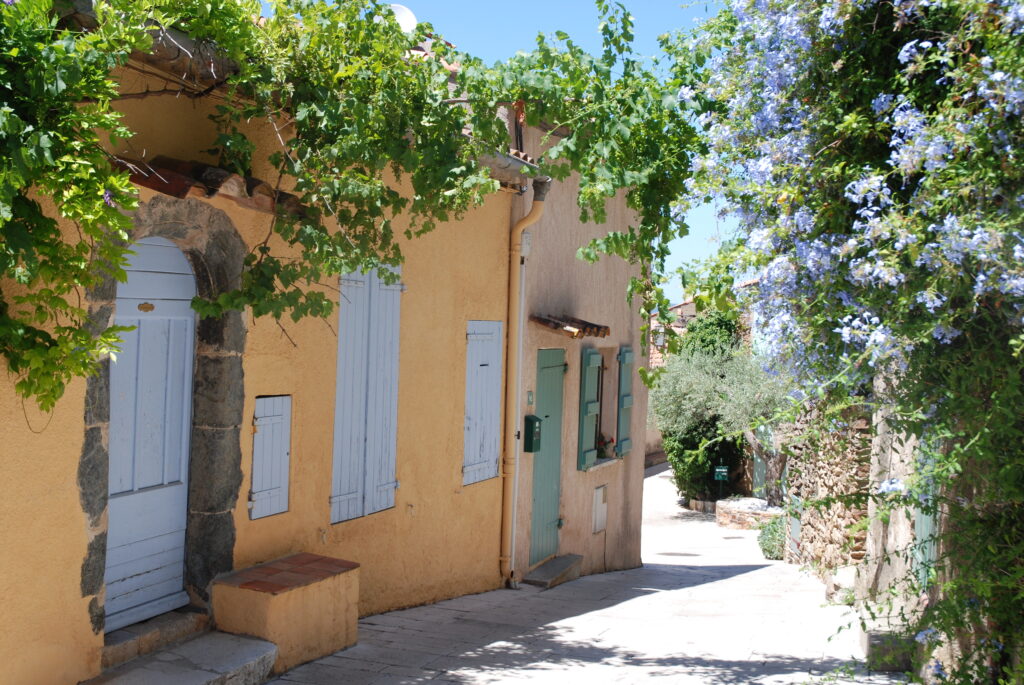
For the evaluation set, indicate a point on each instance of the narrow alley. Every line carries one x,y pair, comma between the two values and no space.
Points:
706,607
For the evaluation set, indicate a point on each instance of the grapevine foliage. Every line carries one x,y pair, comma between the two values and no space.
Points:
359,112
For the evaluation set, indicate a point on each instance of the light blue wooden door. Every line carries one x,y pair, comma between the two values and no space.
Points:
547,461
150,421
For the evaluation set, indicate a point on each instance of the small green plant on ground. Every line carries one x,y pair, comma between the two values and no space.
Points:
772,538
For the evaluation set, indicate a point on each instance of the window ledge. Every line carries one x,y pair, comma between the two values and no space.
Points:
602,463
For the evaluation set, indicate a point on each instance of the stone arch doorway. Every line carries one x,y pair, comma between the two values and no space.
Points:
215,252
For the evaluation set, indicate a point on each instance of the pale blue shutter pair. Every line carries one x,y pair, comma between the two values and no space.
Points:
590,405
366,397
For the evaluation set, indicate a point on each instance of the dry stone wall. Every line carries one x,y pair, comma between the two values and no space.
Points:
821,465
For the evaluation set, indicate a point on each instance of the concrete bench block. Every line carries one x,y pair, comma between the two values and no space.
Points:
306,604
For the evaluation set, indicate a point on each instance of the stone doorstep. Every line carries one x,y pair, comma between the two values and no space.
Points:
149,636
556,571
209,659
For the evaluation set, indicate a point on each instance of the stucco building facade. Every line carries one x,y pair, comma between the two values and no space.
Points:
422,505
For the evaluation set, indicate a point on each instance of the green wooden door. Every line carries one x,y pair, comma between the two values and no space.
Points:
547,461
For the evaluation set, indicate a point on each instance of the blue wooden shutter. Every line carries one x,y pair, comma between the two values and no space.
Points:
622,440
483,401
382,395
350,398
271,447
590,407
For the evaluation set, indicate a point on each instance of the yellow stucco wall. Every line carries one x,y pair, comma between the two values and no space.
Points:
440,540
46,636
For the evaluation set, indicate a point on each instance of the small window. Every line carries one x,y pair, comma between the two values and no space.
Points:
271,450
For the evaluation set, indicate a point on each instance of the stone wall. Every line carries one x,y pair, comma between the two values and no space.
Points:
744,513
823,464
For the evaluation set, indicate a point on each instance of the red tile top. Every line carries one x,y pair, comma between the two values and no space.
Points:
288,573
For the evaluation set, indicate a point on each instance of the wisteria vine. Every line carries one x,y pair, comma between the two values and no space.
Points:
873,152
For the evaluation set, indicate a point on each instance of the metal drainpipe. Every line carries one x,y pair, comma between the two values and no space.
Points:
513,389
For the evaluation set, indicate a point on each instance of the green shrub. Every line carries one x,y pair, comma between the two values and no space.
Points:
772,538
712,332
693,468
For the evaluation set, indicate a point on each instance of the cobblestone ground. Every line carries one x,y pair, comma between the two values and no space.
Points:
705,608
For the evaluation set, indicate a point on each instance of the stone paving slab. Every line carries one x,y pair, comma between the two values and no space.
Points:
210,659
706,607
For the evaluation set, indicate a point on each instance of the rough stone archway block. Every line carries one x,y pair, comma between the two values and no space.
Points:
217,393
215,474
216,253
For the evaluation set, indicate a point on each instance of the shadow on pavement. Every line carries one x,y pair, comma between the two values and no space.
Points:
483,637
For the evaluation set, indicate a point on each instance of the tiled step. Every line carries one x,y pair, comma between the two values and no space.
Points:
210,659
149,636
556,571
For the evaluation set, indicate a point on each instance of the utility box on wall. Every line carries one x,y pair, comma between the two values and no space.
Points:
531,433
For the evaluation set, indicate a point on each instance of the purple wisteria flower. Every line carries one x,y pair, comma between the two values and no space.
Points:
913,144
945,334
912,50
927,635
891,485
869,190
1013,16
882,102
931,300
108,196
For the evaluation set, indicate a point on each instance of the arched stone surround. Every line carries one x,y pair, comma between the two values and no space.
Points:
216,252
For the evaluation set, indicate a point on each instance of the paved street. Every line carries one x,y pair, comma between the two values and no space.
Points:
705,608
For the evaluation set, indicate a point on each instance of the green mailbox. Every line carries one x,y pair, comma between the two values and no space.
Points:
531,433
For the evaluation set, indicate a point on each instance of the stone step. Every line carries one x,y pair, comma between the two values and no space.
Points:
555,571
209,659
157,633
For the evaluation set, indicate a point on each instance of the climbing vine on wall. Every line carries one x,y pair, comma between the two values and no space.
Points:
872,151
357,111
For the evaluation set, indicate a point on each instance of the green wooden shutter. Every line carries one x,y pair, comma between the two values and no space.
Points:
625,416
590,407
924,546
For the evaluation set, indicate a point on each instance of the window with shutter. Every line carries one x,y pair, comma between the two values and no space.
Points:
366,397
481,441
625,402
590,407
271,448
